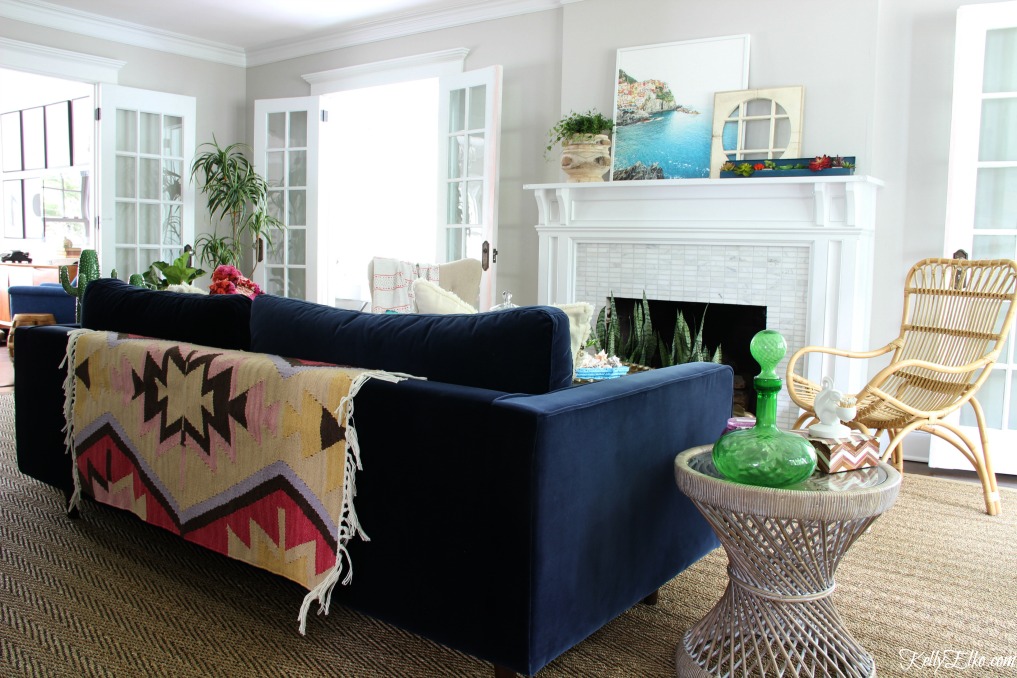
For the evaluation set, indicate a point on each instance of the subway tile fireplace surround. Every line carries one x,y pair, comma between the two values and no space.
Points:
802,247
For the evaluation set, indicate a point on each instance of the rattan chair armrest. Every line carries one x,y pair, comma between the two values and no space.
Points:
800,353
874,387
889,370
875,353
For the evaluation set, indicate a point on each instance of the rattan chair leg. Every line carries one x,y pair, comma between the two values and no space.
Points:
978,457
895,448
993,503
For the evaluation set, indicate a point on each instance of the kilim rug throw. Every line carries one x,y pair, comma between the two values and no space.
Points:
250,455
928,591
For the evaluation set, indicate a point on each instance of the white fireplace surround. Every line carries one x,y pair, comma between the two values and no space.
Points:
800,246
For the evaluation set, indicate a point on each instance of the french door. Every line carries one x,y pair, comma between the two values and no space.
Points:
146,205
295,149
288,134
470,133
982,199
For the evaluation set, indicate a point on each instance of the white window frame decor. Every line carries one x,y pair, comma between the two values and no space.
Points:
733,106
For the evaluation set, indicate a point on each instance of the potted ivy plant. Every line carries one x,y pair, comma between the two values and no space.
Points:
237,197
585,139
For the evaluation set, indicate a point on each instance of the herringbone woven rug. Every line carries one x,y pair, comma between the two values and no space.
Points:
107,595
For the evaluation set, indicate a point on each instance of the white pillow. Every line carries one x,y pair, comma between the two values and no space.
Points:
431,298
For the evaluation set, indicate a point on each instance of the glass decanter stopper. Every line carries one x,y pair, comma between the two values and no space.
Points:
765,455
506,302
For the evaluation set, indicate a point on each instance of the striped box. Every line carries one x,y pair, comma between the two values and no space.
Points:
834,455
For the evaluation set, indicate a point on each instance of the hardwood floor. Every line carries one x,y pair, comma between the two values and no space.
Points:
918,468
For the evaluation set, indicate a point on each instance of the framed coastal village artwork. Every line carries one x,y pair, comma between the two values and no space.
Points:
663,106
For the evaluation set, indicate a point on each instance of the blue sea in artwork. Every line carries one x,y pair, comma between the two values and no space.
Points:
680,142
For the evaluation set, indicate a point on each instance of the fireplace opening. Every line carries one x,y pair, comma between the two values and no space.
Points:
730,326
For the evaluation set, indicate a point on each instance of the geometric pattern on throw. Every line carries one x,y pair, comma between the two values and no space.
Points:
242,453
766,622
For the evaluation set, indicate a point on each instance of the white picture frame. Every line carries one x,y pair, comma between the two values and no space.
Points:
663,104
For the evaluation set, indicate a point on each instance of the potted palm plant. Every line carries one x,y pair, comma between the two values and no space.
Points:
237,196
586,145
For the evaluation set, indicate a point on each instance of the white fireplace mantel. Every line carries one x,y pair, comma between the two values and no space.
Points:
801,246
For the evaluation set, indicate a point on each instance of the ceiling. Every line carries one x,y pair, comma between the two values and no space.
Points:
248,24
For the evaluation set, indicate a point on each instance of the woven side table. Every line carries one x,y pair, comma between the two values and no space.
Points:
777,615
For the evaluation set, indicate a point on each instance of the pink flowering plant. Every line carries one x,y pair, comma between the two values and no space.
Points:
227,279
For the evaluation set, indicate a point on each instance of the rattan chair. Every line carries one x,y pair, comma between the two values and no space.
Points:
957,315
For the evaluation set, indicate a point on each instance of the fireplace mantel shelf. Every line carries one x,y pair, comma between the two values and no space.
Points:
800,246
678,203
617,185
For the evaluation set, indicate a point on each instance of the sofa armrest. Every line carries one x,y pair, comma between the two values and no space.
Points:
609,525
39,404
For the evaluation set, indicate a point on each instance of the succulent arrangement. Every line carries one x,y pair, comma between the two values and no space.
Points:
817,164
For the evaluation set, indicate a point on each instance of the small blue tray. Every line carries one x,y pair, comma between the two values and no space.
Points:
601,372
770,174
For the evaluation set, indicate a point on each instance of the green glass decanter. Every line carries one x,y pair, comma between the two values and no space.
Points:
765,455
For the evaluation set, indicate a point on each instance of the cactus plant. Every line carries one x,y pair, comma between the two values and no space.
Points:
137,280
88,270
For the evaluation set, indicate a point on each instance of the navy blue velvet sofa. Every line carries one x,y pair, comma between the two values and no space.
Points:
511,513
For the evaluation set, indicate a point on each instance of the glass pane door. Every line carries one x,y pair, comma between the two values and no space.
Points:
286,144
147,212
982,197
468,196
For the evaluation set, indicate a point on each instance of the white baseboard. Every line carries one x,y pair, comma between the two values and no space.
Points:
916,446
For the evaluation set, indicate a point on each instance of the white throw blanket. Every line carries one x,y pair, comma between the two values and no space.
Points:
392,284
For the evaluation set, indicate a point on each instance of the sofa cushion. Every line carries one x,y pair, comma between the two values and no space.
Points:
222,320
523,350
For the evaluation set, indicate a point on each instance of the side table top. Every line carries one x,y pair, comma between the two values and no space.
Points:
837,496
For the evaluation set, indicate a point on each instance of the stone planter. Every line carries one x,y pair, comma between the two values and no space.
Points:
586,157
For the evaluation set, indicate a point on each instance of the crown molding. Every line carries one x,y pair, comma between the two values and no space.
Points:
401,25
84,23
59,63
41,13
432,64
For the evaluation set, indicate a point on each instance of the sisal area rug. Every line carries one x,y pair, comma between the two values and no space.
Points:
928,591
